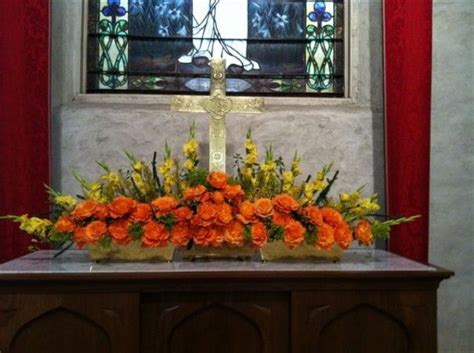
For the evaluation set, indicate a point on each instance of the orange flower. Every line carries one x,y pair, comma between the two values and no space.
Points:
314,215
233,192
180,234
65,225
182,214
142,213
217,180
363,232
259,234
224,214
217,197
155,235
343,235
247,213
164,205
264,208
332,216
285,203
294,234
121,206
119,231
204,236
325,237
80,237
83,210
101,212
95,230
234,234
197,193
218,236
207,213
281,219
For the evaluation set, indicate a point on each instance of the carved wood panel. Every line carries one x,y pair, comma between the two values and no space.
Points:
364,322
69,323
215,323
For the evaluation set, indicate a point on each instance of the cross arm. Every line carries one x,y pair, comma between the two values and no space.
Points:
247,105
188,103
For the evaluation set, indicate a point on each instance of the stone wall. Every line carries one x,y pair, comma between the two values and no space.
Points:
452,160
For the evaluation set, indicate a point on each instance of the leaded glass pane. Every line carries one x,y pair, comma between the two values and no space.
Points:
276,47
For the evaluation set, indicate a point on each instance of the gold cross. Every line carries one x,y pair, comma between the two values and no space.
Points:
217,105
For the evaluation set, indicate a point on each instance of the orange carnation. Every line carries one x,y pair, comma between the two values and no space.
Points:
101,212
233,192
121,206
197,193
95,230
281,219
142,213
294,234
80,237
180,234
247,213
259,234
314,215
234,234
119,231
182,214
363,232
164,205
204,236
343,235
264,208
207,213
224,214
332,216
285,203
217,236
217,180
325,237
65,225
83,210
217,197
155,235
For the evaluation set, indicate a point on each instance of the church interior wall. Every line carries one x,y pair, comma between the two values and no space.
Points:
89,128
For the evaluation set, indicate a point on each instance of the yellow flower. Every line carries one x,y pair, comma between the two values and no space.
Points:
34,225
269,167
188,164
190,149
140,184
308,191
369,205
288,181
251,158
65,201
318,185
251,152
95,192
166,166
138,167
112,178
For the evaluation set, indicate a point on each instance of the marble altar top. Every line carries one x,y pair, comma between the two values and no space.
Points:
77,262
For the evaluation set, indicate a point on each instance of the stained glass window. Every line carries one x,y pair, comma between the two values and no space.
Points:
275,47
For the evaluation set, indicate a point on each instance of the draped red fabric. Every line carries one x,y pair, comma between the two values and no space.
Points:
24,116
407,59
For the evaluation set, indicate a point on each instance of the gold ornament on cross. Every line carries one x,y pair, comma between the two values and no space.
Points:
217,105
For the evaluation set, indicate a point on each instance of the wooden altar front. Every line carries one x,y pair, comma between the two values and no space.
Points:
361,305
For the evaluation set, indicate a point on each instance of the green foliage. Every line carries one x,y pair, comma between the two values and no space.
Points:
275,232
310,238
136,231
380,230
105,241
168,220
60,238
247,233
196,176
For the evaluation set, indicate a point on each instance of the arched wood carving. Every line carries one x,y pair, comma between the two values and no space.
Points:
215,328
365,329
61,330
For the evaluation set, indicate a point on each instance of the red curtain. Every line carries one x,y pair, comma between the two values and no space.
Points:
24,116
407,56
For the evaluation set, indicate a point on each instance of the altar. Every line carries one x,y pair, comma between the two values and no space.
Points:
384,303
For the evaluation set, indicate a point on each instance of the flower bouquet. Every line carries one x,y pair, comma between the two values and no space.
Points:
146,211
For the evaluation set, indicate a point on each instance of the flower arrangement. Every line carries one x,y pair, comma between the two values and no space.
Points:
157,205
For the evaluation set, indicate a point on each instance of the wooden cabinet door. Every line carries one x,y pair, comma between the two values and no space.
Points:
364,322
215,323
59,323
